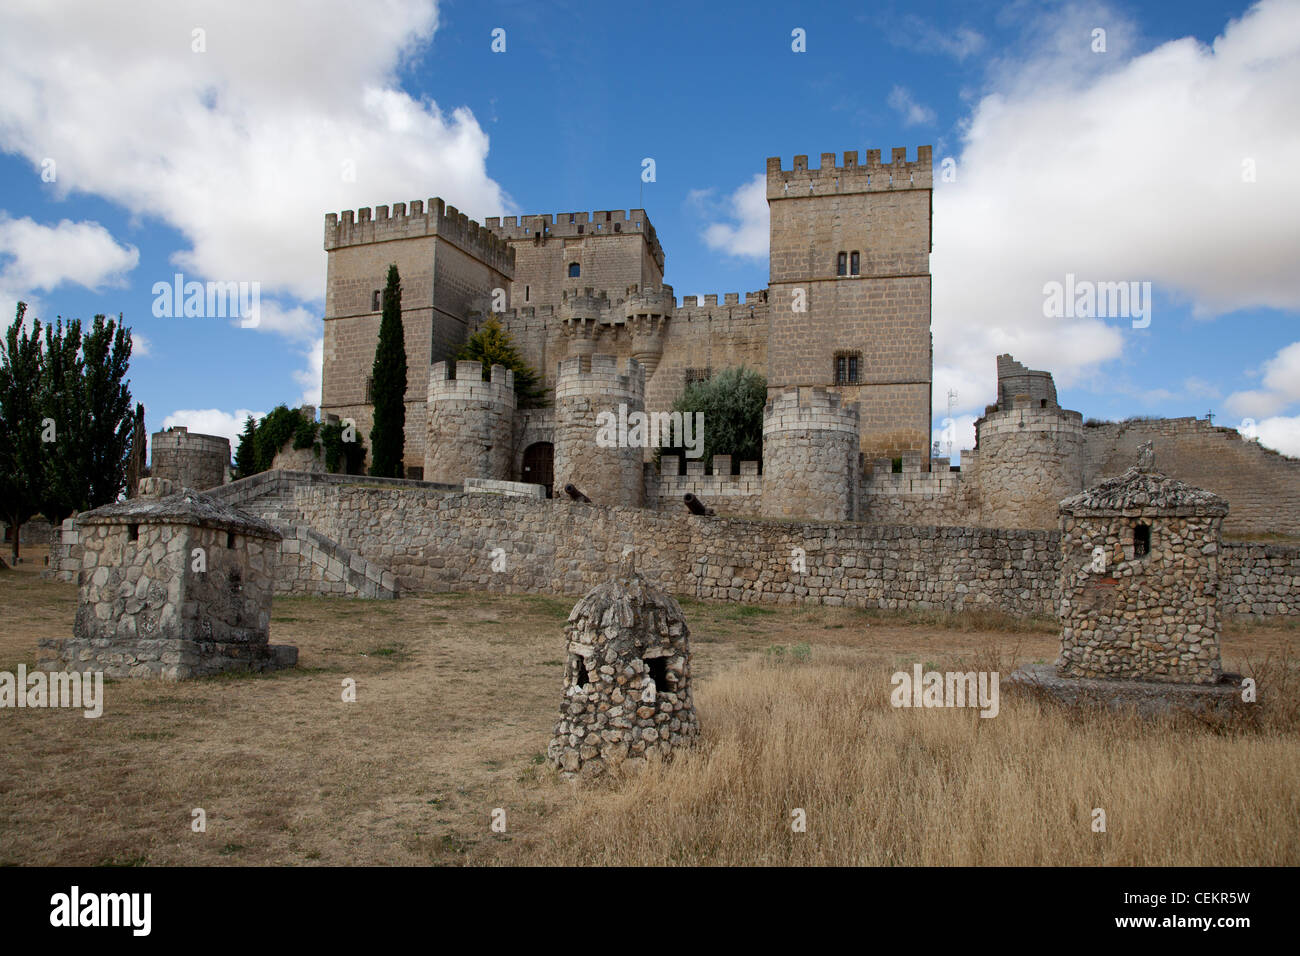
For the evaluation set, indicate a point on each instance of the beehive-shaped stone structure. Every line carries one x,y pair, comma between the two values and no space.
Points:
627,679
172,586
1139,580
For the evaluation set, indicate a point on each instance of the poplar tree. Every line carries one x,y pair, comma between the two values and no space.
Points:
388,386
22,460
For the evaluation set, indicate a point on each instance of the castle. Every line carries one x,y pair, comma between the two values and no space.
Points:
842,333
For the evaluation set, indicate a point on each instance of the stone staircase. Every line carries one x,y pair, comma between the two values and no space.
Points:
310,562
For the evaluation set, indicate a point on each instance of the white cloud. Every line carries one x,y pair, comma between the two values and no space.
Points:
141,347
241,148
912,112
37,256
1281,381
960,434
1120,166
212,421
916,34
1281,434
310,377
746,235
295,323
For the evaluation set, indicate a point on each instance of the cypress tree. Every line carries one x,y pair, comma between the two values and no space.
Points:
388,386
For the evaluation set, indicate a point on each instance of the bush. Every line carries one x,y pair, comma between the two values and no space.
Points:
732,403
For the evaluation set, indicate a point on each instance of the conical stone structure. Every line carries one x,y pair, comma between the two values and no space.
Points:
627,680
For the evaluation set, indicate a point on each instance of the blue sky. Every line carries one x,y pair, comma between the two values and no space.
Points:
1122,164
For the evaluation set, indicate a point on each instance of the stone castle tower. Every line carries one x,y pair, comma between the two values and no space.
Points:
847,311
586,387
849,291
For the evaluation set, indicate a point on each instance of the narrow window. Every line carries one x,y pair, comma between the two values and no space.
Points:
575,270
580,671
230,539
841,264
846,367
581,227
658,667
375,300
526,290
370,389
571,217
133,532
855,262
1141,540
618,227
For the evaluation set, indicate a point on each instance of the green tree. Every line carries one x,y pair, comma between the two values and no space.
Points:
732,403
86,394
246,450
22,457
492,345
388,386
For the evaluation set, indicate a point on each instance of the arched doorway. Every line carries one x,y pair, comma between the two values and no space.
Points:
539,465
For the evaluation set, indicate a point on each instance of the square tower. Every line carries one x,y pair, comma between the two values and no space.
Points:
449,264
849,290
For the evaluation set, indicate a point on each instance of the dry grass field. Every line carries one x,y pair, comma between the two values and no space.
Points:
457,695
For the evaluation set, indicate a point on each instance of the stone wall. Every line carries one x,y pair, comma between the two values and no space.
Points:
731,495
1262,486
437,542
1259,580
311,563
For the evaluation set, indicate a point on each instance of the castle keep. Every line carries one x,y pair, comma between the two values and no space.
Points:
847,312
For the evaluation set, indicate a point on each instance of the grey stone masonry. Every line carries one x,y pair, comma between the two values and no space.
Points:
172,586
1139,581
627,680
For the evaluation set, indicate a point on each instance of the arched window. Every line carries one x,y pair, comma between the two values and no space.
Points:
575,270
375,300
841,264
855,261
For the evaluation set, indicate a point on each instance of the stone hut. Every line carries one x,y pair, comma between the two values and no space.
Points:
1139,580
172,586
627,680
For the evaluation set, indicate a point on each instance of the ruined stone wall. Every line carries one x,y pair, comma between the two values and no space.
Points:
588,386
188,459
1262,486
471,423
1028,459
810,456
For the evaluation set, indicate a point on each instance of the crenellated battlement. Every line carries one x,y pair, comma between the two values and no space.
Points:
364,226
650,302
602,222
852,176
813,409
464,381
600,376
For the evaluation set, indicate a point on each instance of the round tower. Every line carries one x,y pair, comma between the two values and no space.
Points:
1028,457
598,446
188,459
470,422
810,456
646,313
